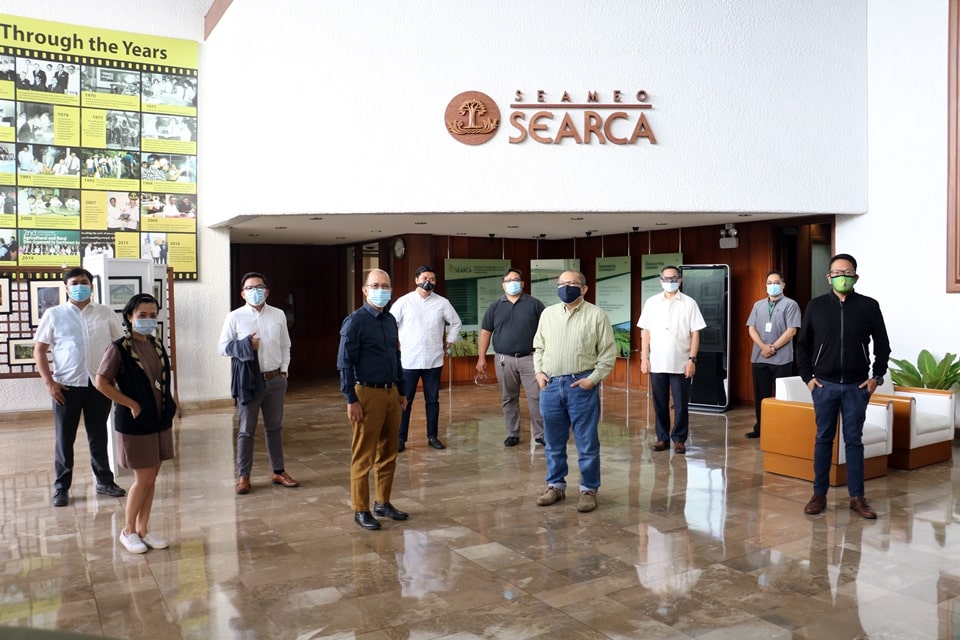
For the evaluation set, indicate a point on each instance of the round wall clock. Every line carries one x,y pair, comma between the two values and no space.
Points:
399,248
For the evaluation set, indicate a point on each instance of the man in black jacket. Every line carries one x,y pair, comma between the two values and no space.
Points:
833,357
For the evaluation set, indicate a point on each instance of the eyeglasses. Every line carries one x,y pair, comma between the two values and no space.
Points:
568,283
670,279
376,286
258,287
514,280
848,272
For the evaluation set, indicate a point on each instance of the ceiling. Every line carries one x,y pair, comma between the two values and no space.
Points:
341,228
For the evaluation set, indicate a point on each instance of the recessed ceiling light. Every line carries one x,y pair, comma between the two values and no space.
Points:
662,224
375,231
317,218
513,226
253,235
421,222
341,238
279,227
577,218
744,215
461,233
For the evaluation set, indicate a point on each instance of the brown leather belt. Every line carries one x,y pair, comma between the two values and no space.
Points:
270,375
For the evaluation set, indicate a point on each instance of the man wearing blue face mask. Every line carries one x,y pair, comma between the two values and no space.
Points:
371,380
76,334
773,322
670,324
512,322
575,352
256,339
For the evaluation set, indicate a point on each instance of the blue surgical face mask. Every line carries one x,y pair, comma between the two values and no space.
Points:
256,297
80,292
670,287
145,326
378,297
774,290
569,293
512,288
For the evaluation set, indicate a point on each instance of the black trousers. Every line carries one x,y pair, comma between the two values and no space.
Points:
764,383
95,408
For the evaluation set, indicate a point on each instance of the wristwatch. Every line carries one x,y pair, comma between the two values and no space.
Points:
693,359
878,379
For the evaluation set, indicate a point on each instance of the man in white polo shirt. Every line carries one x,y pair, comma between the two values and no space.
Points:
76,334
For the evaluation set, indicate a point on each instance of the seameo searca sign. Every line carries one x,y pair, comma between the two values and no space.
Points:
474,118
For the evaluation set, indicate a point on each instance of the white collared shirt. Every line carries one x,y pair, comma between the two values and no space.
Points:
420,323
270,325
671,322
77,339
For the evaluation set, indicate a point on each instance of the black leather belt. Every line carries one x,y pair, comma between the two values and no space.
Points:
381,385
522,354
270,375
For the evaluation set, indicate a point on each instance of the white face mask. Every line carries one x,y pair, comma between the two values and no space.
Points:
670,287
774,289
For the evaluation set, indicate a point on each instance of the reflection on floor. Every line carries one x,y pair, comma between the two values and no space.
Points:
697,546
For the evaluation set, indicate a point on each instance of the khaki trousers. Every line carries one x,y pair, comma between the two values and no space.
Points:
374,446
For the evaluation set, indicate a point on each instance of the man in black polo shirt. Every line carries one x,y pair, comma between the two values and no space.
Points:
371,380
512,321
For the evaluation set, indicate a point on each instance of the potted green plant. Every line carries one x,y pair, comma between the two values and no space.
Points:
927,373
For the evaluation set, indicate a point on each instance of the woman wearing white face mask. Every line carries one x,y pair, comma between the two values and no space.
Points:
143,414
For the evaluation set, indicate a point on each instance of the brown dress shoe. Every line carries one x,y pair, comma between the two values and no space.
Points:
285,479
660,446
243,485
863,508
679,447
817,504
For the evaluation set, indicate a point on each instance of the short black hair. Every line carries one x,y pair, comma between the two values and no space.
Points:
675,268
134,302
844,256
774,272
424,268
77,272
253,274
513,270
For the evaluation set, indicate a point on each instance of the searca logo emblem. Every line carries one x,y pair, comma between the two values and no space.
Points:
472,117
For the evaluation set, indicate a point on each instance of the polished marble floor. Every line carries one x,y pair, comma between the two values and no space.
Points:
697,546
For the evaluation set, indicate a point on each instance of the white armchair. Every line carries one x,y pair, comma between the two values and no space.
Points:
789,433
922,425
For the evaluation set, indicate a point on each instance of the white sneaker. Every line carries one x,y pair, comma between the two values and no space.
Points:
155,542
133,543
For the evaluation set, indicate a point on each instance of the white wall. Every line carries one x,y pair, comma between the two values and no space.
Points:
338,106
901,244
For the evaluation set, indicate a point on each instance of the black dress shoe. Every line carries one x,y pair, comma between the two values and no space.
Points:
752,434
540,442
387,510
111,489
61,498
401,446
366,520
435,443
511,441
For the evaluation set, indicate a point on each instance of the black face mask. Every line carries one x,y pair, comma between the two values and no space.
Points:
427,285
569,293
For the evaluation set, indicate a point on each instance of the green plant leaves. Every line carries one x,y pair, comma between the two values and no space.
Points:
928,373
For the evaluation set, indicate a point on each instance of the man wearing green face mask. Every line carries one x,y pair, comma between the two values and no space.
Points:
833,358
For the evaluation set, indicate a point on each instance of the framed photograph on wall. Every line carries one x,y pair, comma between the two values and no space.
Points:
45,294
4,295
158,291
21,351
120,290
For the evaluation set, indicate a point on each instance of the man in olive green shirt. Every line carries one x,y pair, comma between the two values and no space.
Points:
575,351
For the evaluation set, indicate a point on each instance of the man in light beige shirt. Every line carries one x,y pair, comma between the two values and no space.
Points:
574,352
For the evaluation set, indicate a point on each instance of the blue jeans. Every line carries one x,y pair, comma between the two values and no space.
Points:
431,399
564,407
662,385
850,403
